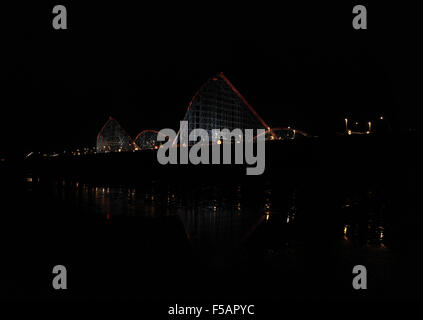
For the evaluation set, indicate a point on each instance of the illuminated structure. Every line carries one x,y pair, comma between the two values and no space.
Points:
216,105
113,138
147,139
285,134
219,105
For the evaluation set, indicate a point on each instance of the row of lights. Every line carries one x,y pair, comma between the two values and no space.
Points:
81,151
349,132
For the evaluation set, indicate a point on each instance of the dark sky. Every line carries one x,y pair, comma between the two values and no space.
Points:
302,66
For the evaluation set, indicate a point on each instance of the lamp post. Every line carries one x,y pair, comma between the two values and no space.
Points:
346,125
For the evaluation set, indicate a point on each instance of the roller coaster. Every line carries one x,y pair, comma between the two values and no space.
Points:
216,105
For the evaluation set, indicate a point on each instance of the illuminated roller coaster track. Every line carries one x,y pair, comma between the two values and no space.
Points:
287,133
113,138
235,90
147,139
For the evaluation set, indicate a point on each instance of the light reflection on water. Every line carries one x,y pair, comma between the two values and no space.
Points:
215,215
207,214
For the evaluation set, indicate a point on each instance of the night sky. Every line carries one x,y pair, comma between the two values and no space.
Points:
302,66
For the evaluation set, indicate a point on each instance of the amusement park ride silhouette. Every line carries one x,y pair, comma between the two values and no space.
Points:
216,105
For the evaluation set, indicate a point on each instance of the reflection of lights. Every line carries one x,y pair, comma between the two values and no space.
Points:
381,235
346,227
267,209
